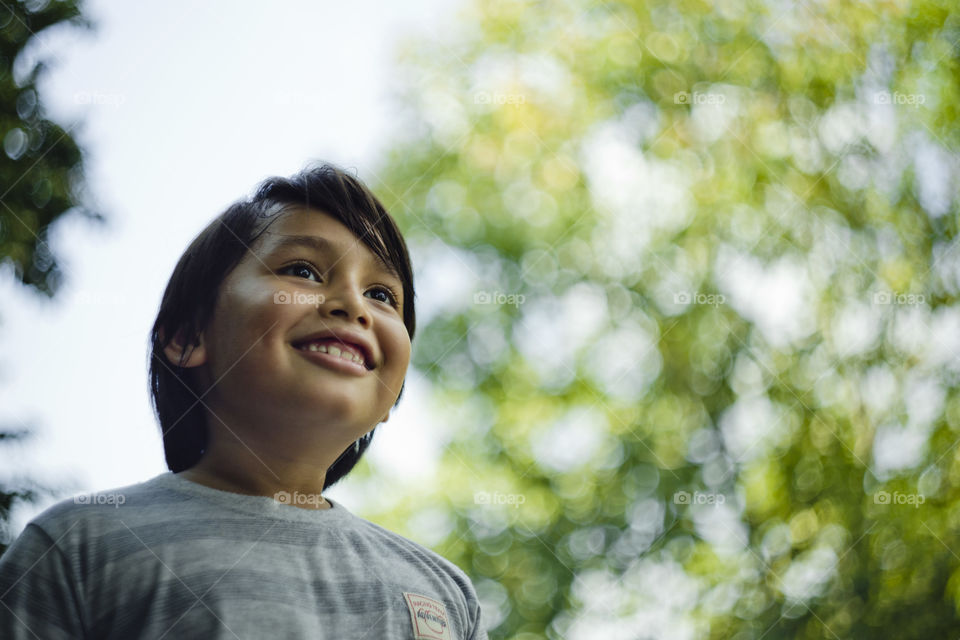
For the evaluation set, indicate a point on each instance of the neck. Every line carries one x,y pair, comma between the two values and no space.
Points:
229,465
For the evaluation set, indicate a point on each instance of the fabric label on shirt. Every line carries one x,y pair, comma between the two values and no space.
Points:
429,618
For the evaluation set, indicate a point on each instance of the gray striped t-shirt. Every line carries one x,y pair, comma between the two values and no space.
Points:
169,558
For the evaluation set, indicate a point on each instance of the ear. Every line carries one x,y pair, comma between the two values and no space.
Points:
196,355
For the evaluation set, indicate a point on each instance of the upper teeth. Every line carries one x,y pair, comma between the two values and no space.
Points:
335,351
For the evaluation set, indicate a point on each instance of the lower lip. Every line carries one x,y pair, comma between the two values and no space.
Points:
334,362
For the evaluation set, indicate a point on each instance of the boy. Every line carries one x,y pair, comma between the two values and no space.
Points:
282,340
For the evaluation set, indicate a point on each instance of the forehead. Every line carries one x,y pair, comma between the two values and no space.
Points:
316,231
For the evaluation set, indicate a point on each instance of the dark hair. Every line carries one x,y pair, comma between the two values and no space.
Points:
191,294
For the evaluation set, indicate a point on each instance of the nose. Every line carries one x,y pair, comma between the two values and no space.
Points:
345,302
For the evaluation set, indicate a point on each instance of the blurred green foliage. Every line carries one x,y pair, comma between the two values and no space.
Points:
41,165
41,169
721,401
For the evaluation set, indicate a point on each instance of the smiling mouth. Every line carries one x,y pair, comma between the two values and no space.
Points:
335,349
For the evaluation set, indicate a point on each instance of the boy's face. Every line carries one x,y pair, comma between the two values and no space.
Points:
307,285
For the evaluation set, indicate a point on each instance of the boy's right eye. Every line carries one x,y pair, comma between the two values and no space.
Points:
301,270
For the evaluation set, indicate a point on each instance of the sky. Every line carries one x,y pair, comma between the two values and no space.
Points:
182,108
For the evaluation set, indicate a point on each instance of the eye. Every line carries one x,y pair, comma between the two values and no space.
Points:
301,270
390,296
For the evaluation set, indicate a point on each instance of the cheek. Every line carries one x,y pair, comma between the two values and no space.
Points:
400,351
246,314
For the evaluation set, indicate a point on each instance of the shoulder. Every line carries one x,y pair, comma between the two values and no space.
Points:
100,511
427,575
402,554
64,538
405,547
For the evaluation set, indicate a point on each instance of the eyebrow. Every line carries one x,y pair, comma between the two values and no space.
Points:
319,244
